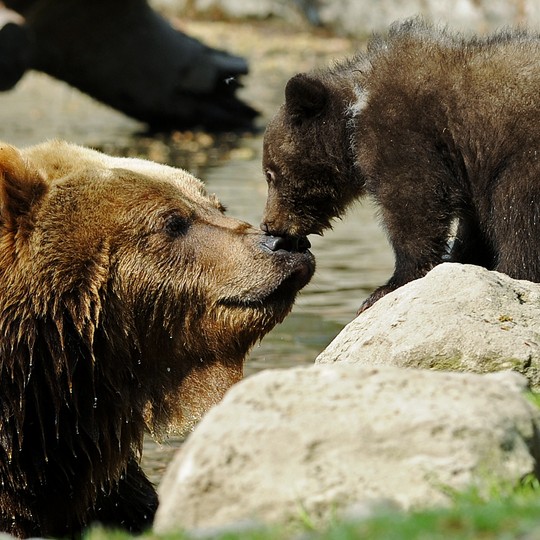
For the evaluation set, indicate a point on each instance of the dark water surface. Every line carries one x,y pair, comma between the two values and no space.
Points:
352,259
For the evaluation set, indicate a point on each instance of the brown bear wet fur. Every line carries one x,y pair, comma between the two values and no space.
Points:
442,131
128,301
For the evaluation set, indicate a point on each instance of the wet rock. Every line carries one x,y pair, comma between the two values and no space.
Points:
457,318
14,48
129,57
326,439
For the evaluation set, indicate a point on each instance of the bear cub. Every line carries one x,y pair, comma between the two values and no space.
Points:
442,131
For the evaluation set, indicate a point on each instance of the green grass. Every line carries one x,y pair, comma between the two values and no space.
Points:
490,521
505,517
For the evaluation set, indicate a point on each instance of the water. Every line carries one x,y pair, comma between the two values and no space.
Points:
352,259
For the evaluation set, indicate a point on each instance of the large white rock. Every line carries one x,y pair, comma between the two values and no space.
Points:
457,318
321,439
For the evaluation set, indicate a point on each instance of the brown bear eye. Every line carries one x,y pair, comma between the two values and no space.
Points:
270,176
176,225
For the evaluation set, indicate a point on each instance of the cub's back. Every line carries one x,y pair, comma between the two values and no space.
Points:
480,75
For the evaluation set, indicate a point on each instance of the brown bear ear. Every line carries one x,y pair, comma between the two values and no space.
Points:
21,186
305,96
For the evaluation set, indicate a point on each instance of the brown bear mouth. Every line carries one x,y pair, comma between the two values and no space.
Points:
280,291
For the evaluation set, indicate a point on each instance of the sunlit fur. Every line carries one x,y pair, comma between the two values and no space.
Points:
113,322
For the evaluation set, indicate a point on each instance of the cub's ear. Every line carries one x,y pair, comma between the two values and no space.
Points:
305,96
21,185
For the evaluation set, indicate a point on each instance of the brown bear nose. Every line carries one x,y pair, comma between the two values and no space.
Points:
287,243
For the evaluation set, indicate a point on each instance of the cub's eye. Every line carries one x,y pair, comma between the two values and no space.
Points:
270,176
176,225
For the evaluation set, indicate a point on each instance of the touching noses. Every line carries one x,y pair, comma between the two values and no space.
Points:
286,243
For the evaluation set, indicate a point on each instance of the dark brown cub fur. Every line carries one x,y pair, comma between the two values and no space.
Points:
438,129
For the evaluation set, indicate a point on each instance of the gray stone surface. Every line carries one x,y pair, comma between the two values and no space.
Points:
328,439
361,17
457,318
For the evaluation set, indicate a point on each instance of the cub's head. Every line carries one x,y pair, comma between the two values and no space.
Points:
128,268
307,156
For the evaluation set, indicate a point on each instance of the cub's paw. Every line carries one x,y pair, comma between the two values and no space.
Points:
374,296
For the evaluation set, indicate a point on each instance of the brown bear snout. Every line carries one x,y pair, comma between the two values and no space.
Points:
286,243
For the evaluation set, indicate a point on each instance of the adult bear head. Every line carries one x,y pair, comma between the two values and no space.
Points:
129,300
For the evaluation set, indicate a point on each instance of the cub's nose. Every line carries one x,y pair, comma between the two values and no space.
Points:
286,243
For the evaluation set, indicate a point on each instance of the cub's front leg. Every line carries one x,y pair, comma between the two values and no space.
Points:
417,218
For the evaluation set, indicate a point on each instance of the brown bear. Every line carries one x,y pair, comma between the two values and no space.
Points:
441,130
128,300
